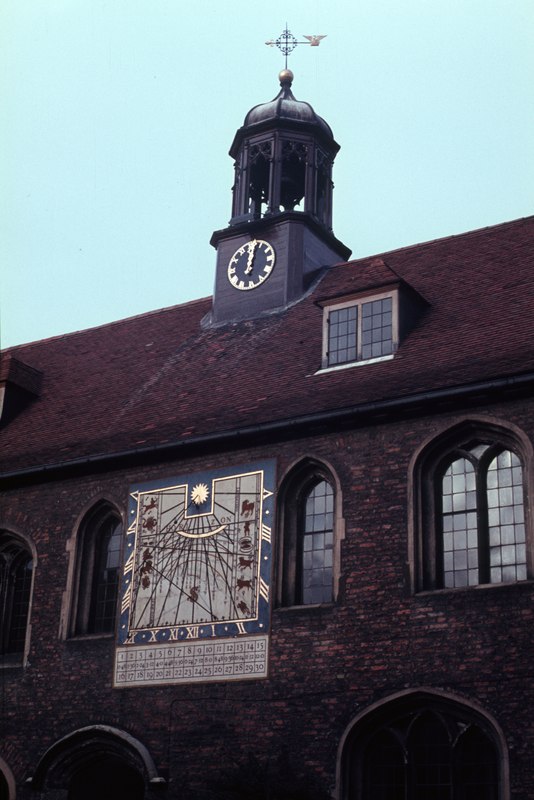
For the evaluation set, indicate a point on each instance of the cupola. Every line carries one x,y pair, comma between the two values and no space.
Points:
280,233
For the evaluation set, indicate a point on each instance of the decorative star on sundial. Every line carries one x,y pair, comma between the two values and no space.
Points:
199,494
286,42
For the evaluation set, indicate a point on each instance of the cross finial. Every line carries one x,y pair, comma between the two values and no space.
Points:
286,42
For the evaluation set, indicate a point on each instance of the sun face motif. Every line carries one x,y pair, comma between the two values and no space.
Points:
199,494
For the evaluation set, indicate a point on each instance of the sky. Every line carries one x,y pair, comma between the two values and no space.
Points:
116,117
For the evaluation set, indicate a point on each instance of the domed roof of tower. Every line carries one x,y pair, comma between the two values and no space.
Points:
285,106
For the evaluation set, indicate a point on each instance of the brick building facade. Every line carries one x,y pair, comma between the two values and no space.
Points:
278,543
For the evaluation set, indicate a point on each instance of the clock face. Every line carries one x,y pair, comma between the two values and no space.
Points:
197,570
251,264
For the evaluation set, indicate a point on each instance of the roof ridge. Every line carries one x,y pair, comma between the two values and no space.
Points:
464,234
12,348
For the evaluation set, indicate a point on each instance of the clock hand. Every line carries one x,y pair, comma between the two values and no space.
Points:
250,259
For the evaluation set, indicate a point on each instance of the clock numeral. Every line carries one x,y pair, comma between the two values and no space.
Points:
129,564
241,285
127,599
264,590
173,635
266,533
152,636
132,527
130,639
192,632
240,627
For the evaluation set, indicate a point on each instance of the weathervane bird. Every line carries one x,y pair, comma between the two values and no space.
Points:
315,40
286,42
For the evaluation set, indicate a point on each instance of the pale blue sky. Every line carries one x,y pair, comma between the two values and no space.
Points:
117,116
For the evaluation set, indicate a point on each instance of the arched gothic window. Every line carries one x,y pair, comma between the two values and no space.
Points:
472,522
422,748
482,517
16,574
309,537
97,572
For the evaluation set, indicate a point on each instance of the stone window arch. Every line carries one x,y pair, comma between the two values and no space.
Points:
471,517
97,761
310,528
17,561
422,744
97,571
7,782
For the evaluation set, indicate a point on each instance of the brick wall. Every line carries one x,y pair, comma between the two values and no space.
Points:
327,663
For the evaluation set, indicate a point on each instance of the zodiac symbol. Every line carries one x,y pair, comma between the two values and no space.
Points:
193,594
146,568
247,507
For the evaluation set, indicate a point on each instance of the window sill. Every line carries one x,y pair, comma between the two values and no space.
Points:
12,662
351,364
90,637
303,608
529,582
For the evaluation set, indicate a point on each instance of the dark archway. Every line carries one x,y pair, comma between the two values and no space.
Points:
97,763
106,777
423,744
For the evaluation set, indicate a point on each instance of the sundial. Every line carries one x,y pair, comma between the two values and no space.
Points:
195,596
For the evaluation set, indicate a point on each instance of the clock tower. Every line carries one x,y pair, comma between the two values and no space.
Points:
280,235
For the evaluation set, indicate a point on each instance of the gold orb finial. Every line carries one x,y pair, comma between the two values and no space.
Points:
286,77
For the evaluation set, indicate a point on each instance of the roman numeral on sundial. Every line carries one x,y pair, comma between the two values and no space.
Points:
129,564
264,590
126,600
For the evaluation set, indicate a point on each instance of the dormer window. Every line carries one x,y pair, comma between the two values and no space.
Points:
360,330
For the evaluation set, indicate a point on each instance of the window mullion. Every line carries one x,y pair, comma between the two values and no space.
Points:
482,525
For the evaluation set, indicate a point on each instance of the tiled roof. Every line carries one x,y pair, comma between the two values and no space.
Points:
161,377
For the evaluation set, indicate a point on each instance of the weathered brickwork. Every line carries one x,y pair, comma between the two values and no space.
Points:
327,663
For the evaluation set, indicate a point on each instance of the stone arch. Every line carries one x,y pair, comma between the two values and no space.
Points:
77,595
81,762
423,468
301,475
7,782
380,714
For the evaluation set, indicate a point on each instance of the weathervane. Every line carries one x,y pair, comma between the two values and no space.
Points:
286,42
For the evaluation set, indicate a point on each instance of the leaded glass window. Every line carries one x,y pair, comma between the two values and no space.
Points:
317,537
425,753
360,331
106,577
309,514
482,518
97,572
377,330
16,572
